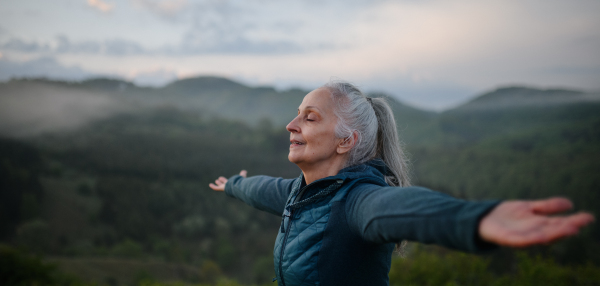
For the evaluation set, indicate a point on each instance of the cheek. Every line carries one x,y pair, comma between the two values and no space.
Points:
326,143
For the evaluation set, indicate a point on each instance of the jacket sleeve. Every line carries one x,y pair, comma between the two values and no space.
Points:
392,214
262,192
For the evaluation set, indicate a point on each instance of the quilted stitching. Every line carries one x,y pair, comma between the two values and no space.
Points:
305,237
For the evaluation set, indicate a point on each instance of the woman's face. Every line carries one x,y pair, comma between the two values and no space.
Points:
312,132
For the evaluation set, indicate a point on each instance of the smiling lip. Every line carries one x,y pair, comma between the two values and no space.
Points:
294,143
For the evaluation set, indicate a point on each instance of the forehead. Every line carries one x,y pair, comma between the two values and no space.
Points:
320,99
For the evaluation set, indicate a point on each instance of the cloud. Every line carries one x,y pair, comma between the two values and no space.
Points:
197,43
245,28
217,27
46,67
120,47
193,43
62,45
166,8
101,5
21,45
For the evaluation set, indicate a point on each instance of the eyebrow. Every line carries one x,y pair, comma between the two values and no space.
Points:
310,107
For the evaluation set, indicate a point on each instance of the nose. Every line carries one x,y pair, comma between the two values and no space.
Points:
293,126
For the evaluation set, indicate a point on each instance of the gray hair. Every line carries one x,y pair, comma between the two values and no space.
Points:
373,121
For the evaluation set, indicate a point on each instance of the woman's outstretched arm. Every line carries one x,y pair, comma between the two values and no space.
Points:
262,192
526,223
392,214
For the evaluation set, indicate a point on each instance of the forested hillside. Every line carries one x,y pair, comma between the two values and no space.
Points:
113,187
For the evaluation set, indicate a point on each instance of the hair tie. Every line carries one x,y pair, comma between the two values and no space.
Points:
370,101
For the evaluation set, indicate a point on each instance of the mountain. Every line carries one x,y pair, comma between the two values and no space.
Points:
415,126
34,106
107,84
228,99
191,86
509,97
30,107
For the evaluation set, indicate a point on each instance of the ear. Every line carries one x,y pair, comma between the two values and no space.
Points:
346,144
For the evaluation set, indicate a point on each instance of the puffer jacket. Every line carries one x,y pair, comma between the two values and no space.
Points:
341,230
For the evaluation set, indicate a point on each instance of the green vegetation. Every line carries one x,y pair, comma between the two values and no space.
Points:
18,267
454,268
423,266
125,201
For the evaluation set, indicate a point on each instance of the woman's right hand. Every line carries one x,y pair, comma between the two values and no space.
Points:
219,184
527,223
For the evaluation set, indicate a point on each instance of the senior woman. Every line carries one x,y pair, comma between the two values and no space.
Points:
353,200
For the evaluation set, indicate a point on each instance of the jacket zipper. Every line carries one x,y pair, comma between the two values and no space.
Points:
287,232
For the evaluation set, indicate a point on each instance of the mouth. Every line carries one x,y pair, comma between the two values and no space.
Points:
295,143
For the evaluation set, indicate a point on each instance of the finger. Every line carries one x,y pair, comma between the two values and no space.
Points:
553,229
580,219
551,206
243,173
561,230
215,187
544,235
222,180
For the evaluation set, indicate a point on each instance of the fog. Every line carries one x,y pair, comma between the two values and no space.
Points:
33,108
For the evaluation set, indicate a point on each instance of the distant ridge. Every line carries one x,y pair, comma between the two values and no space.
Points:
205,84
210,96
508,97
107,84
67,105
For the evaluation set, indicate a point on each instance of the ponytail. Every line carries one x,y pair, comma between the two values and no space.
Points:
389,148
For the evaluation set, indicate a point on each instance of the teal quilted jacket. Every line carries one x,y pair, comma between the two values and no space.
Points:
341,230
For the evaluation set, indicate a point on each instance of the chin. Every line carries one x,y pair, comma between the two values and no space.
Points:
294,159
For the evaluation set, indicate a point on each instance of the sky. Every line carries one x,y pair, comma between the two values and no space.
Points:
430,54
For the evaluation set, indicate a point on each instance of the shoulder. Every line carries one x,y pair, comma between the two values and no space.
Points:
372,199
361,190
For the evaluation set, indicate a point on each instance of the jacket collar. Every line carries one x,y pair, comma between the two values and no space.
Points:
373,171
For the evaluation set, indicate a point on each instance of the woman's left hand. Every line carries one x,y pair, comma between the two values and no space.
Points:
526,223
220,182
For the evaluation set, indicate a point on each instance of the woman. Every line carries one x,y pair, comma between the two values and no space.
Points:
353,200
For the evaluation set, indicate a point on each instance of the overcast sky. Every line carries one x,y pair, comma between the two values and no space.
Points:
432,54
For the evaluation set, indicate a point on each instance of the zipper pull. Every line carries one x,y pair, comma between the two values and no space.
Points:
286,213
274,279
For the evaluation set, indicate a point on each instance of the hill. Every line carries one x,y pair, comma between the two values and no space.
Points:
513,97
35,106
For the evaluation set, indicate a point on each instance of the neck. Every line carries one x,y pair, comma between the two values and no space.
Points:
322,170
